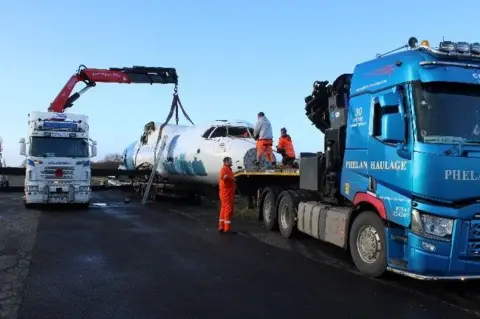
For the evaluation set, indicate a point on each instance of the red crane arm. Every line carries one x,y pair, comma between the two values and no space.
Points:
135,74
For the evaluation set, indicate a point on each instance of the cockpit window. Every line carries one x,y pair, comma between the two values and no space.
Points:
208,132
220,131
240,131
231,131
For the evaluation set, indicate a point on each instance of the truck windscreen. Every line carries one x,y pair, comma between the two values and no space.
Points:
58,147
447,112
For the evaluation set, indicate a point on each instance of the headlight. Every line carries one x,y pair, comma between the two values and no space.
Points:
32,188
83,188
431,226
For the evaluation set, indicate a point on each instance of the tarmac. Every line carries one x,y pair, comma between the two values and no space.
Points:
166,260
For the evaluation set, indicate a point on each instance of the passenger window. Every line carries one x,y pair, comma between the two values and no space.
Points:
220,131
208,132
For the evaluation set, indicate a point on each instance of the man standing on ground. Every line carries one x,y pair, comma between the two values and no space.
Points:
264,136
227,196
285,148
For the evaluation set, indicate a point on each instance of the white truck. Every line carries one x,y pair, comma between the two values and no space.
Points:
57,165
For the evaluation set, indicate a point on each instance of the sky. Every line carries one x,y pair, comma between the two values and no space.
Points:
234,58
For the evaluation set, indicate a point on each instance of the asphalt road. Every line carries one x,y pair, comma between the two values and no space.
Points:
119,260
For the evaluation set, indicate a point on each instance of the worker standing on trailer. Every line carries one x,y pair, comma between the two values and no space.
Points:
264,136
227,196
285,147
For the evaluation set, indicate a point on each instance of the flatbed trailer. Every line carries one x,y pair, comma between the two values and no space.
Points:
277,193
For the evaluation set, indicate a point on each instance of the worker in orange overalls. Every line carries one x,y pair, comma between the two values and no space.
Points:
227,196
285,147
264,136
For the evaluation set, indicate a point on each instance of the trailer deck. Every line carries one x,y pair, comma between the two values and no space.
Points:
269,172
251,182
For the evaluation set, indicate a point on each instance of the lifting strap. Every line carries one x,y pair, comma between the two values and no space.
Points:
176,103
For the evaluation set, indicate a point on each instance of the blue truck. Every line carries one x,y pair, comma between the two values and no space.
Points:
396,184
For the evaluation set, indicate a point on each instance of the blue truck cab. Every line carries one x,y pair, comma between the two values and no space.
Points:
397,182
411,159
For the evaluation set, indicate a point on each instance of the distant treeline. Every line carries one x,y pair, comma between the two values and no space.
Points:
111,161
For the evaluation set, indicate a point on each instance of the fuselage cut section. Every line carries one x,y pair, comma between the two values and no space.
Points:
192,154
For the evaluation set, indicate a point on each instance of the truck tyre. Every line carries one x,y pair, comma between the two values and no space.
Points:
7,184
368,245
269,211
28,205
287,215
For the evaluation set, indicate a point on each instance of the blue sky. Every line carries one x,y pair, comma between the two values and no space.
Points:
234,59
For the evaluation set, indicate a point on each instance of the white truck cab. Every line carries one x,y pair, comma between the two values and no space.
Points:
57,165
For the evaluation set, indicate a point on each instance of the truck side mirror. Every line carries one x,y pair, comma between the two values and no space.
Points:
390,99
23,147
94,148
393,128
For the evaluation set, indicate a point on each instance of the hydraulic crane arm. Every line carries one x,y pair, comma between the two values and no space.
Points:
135,74
327,99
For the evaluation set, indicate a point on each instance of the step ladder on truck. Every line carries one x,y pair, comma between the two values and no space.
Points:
396,182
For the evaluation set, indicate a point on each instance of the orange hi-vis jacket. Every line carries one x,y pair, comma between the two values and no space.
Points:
285,143
226,186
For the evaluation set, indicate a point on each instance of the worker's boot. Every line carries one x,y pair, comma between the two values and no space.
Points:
227,227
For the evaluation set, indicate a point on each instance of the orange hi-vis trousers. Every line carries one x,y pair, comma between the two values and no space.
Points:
264,148
227,202
226,187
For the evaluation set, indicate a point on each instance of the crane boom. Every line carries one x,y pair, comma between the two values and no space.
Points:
320,105
135,74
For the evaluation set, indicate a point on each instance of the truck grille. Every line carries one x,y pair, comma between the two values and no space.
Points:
49,172
473,249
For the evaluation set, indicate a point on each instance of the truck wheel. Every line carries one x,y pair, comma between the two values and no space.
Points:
368,245
28,205
286,215
7,184
269,211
